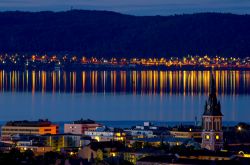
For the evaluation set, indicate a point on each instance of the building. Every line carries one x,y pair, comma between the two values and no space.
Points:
107,134
188,158
146,126
29,145
212,134
186,134
60,142
133,156
40,127
5,147
137,133
79,127
85,140
186,131
100,150
157,160
146,130
157,141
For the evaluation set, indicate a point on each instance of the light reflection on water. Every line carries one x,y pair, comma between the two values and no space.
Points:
136,82
120,95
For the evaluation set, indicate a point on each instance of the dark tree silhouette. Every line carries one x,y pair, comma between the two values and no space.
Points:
109,34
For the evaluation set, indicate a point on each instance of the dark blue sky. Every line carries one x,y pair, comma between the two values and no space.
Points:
135,7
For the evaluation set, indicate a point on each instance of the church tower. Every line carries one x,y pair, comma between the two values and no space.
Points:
212,134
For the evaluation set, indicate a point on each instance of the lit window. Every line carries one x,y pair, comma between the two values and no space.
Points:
207,137
113,154
97,138
217,137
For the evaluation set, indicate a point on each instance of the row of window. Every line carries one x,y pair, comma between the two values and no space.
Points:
98,134
21,130
15,133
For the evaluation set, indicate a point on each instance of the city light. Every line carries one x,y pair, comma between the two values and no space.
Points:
186,61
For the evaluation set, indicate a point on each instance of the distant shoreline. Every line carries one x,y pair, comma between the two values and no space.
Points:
124,68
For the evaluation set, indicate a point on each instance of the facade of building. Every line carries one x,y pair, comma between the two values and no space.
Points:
79,127
136,133
99,150
107,134
212,134
146,126
142,131
28,145
40,127
60,142
194,158
134,156
186,134
156,141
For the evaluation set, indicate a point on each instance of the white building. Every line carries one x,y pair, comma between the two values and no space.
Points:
141,131
106,134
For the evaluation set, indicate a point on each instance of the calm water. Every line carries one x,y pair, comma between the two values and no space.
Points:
120,95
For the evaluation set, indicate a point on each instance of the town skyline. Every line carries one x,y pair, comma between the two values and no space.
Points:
124,82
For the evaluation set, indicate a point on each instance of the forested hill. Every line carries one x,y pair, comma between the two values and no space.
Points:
107,34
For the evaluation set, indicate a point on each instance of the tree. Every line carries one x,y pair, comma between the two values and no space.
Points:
137,145
164,146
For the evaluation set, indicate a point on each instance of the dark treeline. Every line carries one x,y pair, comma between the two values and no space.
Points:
109,34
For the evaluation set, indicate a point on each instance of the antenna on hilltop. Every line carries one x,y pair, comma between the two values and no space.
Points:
71,8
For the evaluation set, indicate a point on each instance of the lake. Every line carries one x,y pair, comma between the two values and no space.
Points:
164,96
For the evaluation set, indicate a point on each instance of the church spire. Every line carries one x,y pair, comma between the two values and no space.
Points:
212,106
212,85
212,133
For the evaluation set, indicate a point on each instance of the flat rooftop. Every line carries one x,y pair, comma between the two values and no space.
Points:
26,123
81,121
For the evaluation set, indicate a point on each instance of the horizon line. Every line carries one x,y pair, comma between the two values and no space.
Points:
122,13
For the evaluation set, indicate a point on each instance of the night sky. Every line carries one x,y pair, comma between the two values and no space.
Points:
134,7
